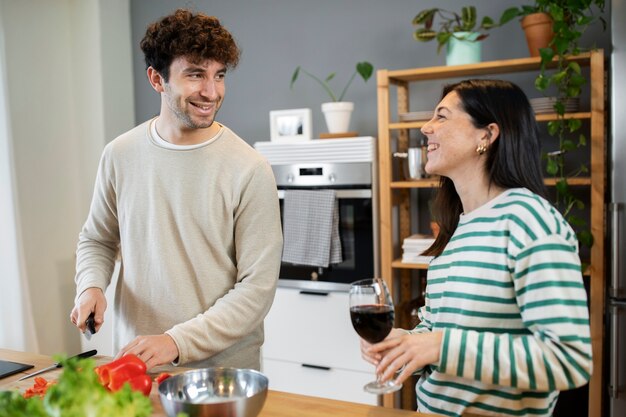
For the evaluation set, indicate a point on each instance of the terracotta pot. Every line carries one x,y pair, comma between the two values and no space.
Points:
538,30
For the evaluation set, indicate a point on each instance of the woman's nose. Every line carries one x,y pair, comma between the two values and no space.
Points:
426,128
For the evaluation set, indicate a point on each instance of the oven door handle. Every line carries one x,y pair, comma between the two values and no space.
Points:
342,194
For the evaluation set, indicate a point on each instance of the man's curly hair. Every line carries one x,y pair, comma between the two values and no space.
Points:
197,37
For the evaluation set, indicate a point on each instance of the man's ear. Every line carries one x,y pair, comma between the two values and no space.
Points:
156,80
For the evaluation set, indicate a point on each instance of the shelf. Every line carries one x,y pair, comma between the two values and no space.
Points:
574,182
434,182
481,68
403,265
546,117
424,183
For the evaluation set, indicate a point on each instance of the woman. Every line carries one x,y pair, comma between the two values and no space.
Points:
505,326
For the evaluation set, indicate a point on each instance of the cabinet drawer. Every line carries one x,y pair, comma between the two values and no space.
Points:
336,384
314,329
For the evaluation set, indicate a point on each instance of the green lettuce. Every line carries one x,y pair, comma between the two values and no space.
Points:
78,393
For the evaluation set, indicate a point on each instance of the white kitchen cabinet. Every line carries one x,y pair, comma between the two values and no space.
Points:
311,348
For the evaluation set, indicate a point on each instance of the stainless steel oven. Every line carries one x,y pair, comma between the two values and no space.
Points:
358,227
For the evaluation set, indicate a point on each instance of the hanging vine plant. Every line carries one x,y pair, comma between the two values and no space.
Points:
570,19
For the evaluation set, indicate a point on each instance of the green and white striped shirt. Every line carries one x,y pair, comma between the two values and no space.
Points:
507,292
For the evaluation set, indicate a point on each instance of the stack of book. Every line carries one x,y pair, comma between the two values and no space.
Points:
413,246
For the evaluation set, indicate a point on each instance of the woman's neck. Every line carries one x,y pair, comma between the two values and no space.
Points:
476,192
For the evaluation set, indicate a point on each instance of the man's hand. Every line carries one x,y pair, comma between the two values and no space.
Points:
91,300
154,350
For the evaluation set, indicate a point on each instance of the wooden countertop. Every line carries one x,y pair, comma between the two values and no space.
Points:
277,404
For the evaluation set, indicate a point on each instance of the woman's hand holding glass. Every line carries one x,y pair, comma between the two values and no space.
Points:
372,315
402,352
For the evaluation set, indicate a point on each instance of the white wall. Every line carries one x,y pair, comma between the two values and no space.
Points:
62,109
19,332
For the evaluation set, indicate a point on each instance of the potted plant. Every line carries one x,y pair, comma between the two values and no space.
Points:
536,23
337,112
557,73
459,33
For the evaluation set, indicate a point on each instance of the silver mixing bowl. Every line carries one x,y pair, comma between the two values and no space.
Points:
214,392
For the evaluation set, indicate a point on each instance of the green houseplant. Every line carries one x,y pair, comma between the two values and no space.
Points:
364,69
557,73
454,29
337,112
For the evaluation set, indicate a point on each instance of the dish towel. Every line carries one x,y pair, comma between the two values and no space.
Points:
311,228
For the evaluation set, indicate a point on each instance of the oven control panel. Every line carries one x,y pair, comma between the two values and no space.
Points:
323,174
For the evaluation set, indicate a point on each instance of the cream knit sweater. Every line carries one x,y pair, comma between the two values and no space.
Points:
200,240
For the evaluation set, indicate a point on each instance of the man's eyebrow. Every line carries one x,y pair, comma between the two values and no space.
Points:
198,68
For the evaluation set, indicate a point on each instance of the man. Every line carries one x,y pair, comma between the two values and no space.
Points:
192,210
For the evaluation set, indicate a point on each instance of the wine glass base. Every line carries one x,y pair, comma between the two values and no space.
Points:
376,387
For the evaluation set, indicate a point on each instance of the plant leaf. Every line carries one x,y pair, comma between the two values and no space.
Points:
425,16
546,54
585,238
568,145
574,67
330,77
508,15
559,107
442,39
365,70
424,35
574,124
294,77
575,220
562,187
553,127
468,18
552,167
541,82
487,23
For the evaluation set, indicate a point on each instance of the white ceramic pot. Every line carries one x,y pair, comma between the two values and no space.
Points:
337,115
463,49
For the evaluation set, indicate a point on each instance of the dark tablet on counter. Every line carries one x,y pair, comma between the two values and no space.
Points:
9,368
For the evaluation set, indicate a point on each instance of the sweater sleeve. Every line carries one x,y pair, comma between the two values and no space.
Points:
555,351
99,238
258,246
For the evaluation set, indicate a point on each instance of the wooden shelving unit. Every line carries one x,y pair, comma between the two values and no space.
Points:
395,204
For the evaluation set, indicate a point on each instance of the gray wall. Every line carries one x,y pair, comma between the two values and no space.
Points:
323,36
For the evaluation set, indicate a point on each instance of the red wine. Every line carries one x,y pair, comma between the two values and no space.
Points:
372,322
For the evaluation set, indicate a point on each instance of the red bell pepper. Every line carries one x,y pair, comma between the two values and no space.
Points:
128,368
162,377
141,383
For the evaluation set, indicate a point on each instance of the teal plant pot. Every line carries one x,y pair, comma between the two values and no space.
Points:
463,49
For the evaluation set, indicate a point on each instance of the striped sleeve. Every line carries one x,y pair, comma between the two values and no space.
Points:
423,314
555,353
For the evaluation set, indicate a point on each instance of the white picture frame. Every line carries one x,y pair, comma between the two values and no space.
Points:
293,125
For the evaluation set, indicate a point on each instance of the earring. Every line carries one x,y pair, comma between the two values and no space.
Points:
481,149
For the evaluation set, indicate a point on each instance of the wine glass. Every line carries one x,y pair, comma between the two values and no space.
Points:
371,312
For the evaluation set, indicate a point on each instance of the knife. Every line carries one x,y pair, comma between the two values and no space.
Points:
91,326
59,365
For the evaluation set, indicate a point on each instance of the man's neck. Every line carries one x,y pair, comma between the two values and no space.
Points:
183,136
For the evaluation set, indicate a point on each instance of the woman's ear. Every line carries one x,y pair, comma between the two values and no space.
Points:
156,80
493,132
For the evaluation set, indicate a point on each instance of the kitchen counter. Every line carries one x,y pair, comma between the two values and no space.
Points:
277,404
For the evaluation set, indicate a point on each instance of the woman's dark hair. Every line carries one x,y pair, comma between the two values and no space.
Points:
197,37
513,159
